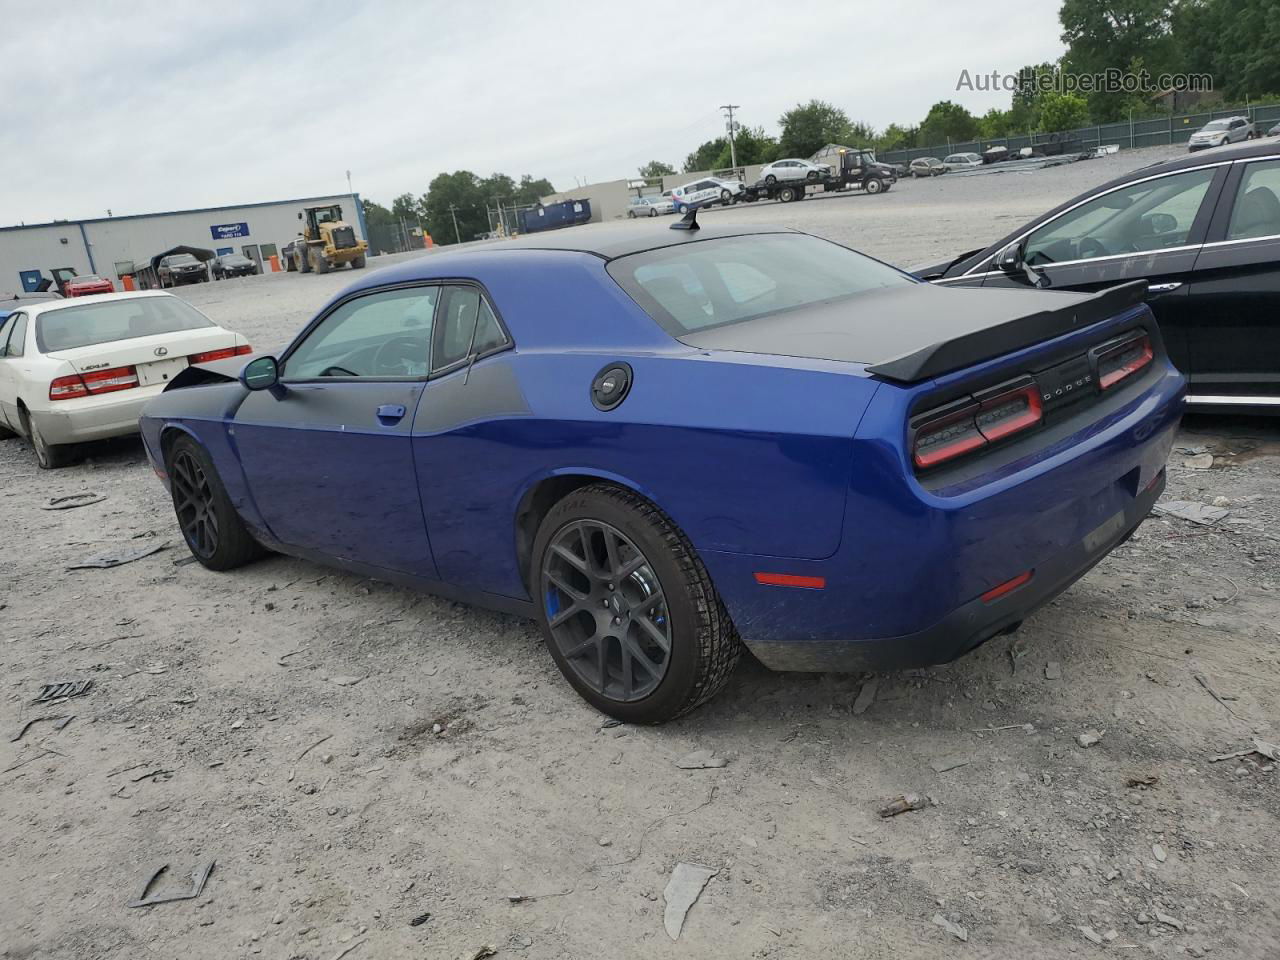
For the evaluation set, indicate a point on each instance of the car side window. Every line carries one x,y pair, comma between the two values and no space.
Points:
383,334
464,313
1256,212
1150,215
14,346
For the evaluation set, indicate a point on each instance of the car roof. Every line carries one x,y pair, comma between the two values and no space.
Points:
45,306
609,241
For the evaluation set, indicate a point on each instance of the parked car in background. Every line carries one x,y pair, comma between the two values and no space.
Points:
898,170
1203,231
959,161
80,369
702,193
524,427
650,206
81,286
233,265
179,268
1274,131
794,169
927,167
1217,133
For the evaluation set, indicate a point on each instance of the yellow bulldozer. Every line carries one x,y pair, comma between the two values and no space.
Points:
326,241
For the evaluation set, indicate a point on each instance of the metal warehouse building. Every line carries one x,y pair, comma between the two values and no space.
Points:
110,247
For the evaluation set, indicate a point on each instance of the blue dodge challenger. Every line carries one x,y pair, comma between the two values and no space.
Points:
668,444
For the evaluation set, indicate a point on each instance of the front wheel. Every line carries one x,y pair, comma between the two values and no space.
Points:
874,185
653,212
631,214
628,611
213,530
319,263
358,262
771,179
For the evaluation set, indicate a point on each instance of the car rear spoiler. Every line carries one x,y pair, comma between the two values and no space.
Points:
974,346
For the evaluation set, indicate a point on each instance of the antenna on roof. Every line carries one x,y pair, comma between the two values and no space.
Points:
688,222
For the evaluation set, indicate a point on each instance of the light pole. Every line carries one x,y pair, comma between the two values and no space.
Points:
733,150
349,190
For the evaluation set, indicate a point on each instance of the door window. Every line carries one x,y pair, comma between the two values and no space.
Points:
1256,212
1151,215
381,335
17,336
464,314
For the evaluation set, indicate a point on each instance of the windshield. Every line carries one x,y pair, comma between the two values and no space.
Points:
234,259
710,283
82,326
179,259
85,278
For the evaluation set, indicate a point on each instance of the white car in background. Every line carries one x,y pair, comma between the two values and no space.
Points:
1217,133
81,369
794,169
703,193
961,161
651,206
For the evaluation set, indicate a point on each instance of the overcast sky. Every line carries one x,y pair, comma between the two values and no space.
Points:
150,106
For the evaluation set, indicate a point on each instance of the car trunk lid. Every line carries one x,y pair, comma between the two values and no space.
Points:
157,358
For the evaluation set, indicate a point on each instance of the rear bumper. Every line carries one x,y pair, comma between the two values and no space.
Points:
95,418
970,625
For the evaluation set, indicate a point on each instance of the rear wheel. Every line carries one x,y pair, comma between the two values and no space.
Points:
627,608
213,530
304,261
50,456
358,262
787,194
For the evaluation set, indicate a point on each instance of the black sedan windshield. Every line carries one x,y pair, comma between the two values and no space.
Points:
701,285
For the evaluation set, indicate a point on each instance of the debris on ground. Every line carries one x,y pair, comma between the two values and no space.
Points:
701,760
1090,738
949,763
1159,853
1092,935
1053,670
957,931
63,690
1168,921
118,559
199,877
420,919
683,890
479,953
1263,748
345,681
1199,461
1194,512
903,804
60,721
73,500
1204,682
866,697
1142,781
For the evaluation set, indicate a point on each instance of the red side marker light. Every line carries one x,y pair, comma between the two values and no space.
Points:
791,580
995,593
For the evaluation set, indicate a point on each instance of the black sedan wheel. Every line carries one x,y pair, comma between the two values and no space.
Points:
213,530
627,608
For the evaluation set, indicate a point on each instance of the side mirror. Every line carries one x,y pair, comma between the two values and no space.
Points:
1009,260
260,373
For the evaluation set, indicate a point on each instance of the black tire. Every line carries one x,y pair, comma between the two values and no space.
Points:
223,542
631,214
49,456
358,262
725,197
703,645
771,179
304,260
787,194
653,212
874,185
290,265
318,263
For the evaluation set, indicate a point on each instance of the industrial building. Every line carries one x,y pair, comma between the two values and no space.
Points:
113,247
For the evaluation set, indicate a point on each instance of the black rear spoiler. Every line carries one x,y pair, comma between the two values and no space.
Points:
975,346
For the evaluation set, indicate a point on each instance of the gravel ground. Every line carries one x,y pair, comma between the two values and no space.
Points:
355,756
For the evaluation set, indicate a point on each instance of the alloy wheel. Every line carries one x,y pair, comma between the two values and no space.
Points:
606,610
193,503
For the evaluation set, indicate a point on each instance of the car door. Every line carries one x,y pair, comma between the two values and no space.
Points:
328,457
1234,336
13,334
1150,229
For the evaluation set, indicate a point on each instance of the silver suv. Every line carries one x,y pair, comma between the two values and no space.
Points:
1216,133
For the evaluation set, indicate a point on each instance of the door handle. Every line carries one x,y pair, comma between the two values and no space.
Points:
1162,287
389,414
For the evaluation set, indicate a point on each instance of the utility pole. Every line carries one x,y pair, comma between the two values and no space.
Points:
349,190
733,150
456,235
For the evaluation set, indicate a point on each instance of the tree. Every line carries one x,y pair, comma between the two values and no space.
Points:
404,207
461,191
531,191
808,127
376,215
1104,35
897,137
1237,42
995,123
751,145
1063,111
707,156
656,168
947,121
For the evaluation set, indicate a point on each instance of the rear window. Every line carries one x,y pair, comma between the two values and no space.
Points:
710,283
84,326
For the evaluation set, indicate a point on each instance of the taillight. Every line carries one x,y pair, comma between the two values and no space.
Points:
67,388
211,355
972,423
1119,360
93,382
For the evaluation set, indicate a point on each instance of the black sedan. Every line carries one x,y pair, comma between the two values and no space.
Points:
233,265
1203,230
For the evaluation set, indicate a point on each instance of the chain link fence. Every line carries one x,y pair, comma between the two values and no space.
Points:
1161,131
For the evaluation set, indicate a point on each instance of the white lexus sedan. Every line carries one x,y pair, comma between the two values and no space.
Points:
81,369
